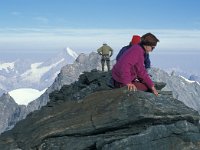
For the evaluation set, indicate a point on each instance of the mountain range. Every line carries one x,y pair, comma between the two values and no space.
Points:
37,75
182,89
194,78
68,74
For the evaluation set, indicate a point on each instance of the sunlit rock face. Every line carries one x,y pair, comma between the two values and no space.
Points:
184,90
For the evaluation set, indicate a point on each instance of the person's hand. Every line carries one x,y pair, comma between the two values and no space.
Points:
131,87
154,91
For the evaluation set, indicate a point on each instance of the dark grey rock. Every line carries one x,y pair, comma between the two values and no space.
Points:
85,115
159,85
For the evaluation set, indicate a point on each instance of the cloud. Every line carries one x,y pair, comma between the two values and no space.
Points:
86,40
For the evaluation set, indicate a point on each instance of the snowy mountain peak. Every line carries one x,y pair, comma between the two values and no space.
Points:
7,66
188,81
71,52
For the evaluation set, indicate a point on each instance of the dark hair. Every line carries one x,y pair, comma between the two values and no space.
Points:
149,39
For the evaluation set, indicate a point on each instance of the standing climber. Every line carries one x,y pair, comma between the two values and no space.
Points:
106,52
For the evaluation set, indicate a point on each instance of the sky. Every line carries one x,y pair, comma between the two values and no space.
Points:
48,26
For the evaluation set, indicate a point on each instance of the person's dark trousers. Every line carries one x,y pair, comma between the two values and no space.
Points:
107,59
102,64
108,64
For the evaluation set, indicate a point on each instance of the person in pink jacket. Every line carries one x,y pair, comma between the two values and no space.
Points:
130,70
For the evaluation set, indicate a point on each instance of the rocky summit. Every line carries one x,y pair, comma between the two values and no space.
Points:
90,115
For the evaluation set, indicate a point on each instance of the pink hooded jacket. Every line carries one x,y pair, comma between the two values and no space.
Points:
130,66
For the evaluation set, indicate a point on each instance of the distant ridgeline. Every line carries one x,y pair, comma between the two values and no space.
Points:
29,73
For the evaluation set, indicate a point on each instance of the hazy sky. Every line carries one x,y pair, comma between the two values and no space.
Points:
83,25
